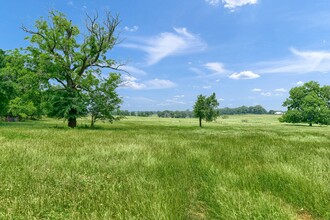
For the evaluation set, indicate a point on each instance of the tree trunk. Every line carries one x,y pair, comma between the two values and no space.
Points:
310,124
200,122
92,122
72,120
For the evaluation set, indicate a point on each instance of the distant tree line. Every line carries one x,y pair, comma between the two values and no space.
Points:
161,114
258,109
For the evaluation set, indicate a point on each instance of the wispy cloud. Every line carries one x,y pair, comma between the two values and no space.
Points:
197,71
131,29
176,100
166,44
134,83
244,75
280,90
134,70
70,3
210,69
299,62
160,84
216,67
232,4
256,90
213,2
266,94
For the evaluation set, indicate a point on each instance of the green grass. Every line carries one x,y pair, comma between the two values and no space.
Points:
243,167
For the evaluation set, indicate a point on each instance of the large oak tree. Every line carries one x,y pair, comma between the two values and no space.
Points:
69,62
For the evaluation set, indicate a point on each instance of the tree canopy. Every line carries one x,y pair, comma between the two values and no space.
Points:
206,108
309,103
68,64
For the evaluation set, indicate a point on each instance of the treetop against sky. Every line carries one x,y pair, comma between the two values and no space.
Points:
248,52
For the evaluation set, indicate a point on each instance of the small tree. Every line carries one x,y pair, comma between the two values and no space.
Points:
309,103
206,108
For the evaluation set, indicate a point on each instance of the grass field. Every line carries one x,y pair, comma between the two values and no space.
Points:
243,167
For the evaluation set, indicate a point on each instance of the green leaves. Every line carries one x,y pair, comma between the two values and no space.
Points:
104,100
205,108
309,103
20,87
71,70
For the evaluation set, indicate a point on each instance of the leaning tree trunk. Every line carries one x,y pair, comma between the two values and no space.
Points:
72,120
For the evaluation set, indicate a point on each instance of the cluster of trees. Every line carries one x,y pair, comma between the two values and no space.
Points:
60,73
135,113
175,114
258,109
309,103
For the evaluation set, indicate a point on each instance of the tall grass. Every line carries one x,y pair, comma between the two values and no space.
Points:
150,168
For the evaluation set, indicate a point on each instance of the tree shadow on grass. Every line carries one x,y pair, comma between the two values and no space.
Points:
305,125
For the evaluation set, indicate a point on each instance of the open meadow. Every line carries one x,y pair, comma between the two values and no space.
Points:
241,167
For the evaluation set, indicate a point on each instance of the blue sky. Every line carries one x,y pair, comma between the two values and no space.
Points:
248,52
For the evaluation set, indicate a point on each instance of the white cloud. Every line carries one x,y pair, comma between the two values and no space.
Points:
300,62
244,75
168,44
131,82
133,70
232,4
300,83
197,71
70,3
221,99
266,94
179,96
280,90
207,87
132,29
256,90
213,2
160,84
216,67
